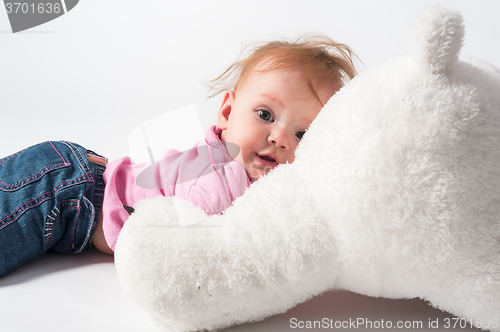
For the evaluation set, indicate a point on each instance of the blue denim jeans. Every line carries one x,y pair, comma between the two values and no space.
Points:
50,199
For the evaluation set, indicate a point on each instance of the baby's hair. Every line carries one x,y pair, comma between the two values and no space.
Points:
324,61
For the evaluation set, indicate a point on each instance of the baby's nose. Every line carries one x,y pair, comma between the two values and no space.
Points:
280,139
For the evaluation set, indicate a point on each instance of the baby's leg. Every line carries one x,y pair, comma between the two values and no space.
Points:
50,195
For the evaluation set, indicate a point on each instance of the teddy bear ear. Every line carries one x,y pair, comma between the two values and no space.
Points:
437,38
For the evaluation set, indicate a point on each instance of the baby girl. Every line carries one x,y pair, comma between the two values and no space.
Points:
60,196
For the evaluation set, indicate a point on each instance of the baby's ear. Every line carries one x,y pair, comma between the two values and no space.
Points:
225,110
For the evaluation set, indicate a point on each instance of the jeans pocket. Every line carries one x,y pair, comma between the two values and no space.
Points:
70,226
29,165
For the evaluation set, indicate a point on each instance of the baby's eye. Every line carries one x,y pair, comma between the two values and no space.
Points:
265,115
299,134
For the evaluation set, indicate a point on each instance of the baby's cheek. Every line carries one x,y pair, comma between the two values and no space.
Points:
291,158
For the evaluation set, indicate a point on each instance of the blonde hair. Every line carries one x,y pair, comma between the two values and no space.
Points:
324,61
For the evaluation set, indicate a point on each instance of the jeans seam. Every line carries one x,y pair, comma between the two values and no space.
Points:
57,151
41,173
78,206
49,195
79,157
90,230
45,170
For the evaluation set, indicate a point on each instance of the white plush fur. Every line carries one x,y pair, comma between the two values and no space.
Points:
395,192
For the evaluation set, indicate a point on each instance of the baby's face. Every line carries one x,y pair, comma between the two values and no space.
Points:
267,117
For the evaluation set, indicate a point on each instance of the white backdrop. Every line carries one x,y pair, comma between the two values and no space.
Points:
96,73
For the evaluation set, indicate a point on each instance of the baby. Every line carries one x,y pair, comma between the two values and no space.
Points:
52,194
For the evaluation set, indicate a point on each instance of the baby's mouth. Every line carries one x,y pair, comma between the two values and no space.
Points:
269,158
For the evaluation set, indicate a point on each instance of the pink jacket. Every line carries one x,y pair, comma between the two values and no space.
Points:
205,175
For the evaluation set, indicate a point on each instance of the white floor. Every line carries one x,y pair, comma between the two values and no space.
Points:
82,293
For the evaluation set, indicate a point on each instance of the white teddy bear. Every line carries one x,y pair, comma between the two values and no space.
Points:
395,192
